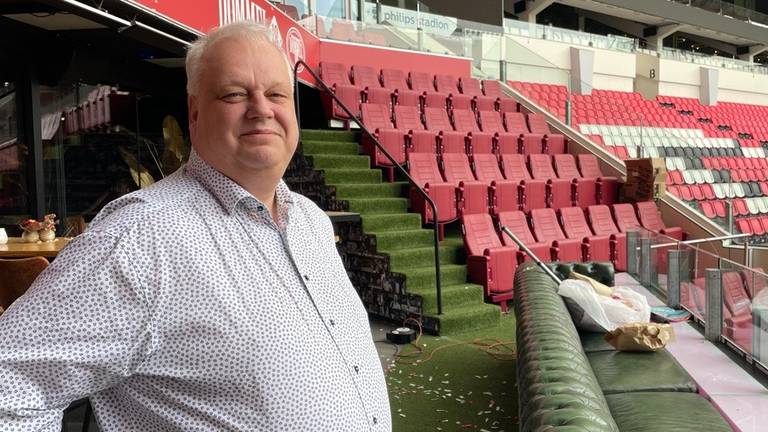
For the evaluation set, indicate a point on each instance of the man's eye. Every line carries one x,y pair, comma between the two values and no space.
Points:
278,95
234,95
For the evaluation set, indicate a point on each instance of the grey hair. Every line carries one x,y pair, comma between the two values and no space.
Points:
250,30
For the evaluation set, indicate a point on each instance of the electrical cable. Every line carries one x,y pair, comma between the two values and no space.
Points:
491,346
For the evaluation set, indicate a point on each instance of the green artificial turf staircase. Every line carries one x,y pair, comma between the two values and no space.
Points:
384,210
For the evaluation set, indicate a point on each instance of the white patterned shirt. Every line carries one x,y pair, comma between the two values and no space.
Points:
185,307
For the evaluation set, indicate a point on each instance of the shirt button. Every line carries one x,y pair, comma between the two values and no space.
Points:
332,322
356,368
375,420
260,208
306,278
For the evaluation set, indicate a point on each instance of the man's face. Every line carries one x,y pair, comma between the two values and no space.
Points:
242,119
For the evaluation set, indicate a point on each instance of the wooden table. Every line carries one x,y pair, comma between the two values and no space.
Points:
15,248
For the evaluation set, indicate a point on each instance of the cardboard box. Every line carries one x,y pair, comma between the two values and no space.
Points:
646,179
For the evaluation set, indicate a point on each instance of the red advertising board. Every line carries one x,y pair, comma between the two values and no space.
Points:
204,15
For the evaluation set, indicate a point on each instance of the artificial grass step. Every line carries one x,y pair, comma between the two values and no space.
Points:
325,148
371,190
423,257
338,176
423,278
462,319
453,296
391,222
368,207
328,135
325,161
387,241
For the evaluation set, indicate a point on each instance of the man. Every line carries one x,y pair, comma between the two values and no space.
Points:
214,300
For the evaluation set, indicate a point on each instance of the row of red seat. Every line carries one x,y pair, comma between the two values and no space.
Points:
693,192
435,131
724,162
569,234
629,108
755,225
491,185
397,87
717,208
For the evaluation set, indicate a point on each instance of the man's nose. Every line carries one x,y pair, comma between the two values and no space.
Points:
259,106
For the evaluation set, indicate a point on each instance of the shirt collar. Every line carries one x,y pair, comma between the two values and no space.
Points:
227,191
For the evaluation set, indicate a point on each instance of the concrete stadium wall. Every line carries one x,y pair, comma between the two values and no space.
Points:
647,75
549,62
743,87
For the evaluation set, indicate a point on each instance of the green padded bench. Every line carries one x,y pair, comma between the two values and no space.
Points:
572,381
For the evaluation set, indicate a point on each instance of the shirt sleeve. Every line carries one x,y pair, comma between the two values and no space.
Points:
82,327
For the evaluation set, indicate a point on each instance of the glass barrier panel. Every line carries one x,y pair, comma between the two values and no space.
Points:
485,49
693,283
756,281
710,60
737,305
330,8
709,5
660,246
572,37
366,33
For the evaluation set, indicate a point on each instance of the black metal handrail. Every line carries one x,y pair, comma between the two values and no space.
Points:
386,153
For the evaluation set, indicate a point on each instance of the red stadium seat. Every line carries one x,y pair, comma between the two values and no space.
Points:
478,141
650,218
492,88
547,230
602,224
446,83
449,141
425,172
490,122
738,311
394,79
533,193
421,82
584,189
376,119
553,143
460,101
334,73
504,194
607,187
436,100
559,192
518,224
594,247
489,262
529,143
471,87
625,217
364,76
472,194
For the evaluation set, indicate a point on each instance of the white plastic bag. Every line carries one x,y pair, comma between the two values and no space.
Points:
593,312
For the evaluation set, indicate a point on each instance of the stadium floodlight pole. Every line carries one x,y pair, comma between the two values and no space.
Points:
533,256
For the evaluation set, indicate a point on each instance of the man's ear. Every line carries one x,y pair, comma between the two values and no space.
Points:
193,112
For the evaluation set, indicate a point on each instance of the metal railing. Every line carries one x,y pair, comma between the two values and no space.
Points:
728,9
701,240
394,163
532,255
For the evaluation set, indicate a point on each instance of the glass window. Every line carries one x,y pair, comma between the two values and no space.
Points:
330,8
13,166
